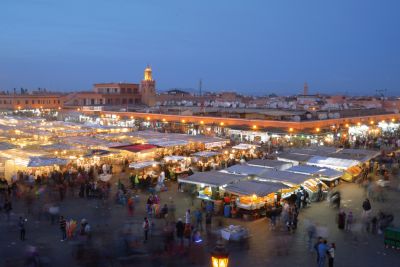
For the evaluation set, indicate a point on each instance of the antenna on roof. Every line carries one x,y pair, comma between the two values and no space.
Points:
200,86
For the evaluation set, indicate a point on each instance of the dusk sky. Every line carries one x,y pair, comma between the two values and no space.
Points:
257,47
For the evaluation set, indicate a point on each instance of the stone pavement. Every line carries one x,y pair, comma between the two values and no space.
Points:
264,248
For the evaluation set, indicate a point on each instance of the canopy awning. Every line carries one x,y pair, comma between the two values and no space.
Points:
284,177
245,146
267,163
174,158
206,154
6,146
335,163
44,161
58,146
245,169
143,164
168,143
137,148
258,188
212,178
294,158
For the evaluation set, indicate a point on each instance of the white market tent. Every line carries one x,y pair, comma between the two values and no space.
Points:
167,143
325,174
251,187
206,154
284,177
296,159
245,169
334,163
212,178
175,158
271,164
362,155
143,164
6,146
244,146
45,161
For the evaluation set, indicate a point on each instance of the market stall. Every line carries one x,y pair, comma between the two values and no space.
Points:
210,185
327,175
176,166
255,195
206,160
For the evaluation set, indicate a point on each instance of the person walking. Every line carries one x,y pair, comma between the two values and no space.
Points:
63,228
188,217
366,208
199,219
22,230
322,252
180,227
331,254
349,222
7,208
146,227
208,221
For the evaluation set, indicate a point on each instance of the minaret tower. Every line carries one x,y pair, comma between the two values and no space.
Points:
305,89
148,88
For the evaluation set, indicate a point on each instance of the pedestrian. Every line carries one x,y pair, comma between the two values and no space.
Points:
146,227
331,254
349,221
208,221
199,219
22,230
341,219
322,251
180,227
366,208
319,241
7,208
311,230
130,205
188,217
63,228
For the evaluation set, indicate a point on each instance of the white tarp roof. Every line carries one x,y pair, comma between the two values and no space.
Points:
314,170
245,169
6,146
268,163
45,161
244,146
284,177
206,154
291,157
335,163
212,178
174,158
143,164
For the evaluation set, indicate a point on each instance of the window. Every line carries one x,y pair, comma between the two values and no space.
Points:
117,101
115,90
130,101
108,90
124,101
135,91
101,101
122,90
129,90
58,101
92,101
33,101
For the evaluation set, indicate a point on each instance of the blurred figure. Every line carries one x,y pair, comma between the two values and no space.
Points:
21,226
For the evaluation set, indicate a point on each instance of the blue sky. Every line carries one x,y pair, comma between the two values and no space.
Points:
257,46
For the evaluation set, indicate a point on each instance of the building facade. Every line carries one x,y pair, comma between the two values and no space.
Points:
34,100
